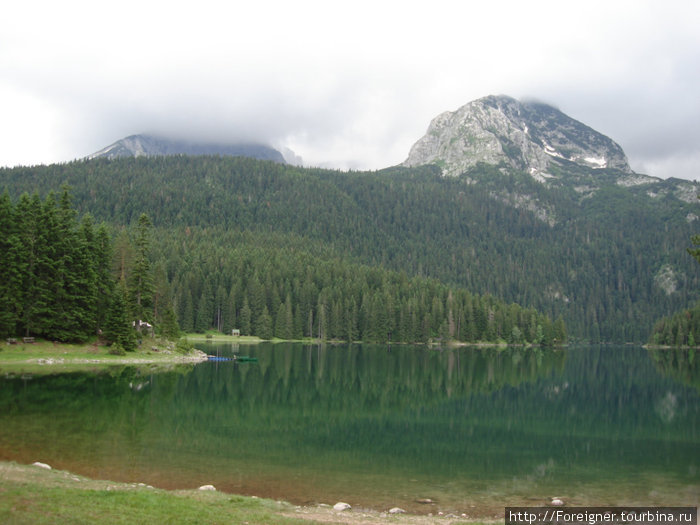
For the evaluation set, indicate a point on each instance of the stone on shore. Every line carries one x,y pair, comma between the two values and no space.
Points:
207,487
397,510
41,465
340,506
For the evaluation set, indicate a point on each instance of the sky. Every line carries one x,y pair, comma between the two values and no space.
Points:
347,85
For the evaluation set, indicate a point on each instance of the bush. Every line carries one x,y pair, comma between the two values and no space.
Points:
183,346
117,349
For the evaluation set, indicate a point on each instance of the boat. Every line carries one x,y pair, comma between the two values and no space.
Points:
240,358
218,358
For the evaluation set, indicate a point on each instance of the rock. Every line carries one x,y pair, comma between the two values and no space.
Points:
527,136
41,465
425,501
207,487
397,510
557,502
340,506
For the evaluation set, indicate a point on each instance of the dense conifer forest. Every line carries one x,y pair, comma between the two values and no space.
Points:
397,254
66,281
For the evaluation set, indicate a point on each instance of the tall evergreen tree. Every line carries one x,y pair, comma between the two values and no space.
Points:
141,287
10,268
119,327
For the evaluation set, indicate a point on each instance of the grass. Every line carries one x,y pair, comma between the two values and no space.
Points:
60,357
34,495
218,337
30,494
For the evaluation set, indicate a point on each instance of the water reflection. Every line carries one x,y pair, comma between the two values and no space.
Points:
385,425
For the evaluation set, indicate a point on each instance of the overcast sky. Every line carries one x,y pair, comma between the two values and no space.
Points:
343,84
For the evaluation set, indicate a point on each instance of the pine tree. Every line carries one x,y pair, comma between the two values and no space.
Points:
168,326
119,327
187,316
263,327
245,318
10,273
104,280
205,310
141,287
38,230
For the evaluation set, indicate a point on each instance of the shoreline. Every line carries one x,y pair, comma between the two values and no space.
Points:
45,484
46,355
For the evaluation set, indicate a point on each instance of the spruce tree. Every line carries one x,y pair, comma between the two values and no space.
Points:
263,326
119,327
10,273
245,318
141,287
104,280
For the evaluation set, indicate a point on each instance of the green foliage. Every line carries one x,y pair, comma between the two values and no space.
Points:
119,327
56,277
117,349
592,260
679,329
183,346
141,287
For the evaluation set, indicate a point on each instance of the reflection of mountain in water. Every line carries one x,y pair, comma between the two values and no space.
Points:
477,414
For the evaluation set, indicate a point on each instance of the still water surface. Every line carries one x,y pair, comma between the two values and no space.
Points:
376,426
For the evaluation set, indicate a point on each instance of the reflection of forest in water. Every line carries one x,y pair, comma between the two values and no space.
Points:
477,413
679,363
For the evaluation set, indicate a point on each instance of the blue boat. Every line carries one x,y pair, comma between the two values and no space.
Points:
240,358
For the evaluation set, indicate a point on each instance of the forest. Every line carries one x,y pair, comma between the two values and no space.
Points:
224,228
64,279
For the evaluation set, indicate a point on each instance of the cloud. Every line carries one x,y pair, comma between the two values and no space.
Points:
347,85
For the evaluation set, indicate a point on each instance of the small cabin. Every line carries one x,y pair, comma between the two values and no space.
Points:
143,326
235,332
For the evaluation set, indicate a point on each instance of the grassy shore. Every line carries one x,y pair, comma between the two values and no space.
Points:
36,495
43,356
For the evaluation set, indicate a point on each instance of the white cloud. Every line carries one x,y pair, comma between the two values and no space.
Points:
343,84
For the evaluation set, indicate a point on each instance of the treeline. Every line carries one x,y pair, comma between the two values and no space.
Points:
64,279
591,256
272,286
681,328
59,279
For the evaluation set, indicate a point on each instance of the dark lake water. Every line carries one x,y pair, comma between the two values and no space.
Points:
474,429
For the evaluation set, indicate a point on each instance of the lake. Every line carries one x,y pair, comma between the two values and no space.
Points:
472,429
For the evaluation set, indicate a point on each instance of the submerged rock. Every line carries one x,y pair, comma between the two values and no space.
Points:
340,506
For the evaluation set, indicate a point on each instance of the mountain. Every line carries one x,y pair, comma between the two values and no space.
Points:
610,262
593,242
153,146
527,136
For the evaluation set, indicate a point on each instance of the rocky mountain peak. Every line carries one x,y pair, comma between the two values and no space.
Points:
528,136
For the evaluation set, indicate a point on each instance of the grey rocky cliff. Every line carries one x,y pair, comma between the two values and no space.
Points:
527,136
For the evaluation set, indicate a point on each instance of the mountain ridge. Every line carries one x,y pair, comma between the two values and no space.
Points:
154,145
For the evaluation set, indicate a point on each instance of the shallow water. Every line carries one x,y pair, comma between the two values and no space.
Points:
472,429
